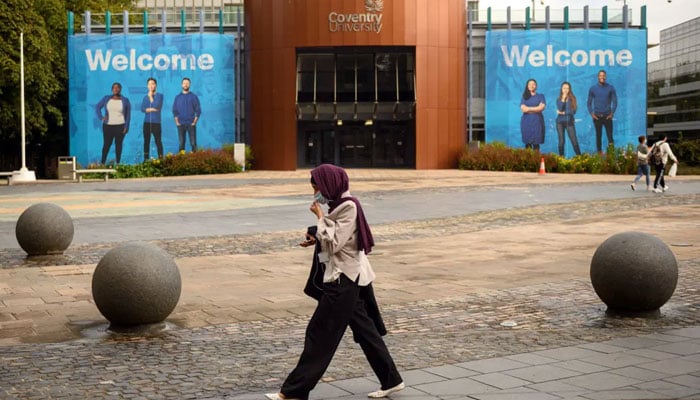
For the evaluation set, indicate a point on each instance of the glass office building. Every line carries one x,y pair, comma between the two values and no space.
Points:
674,83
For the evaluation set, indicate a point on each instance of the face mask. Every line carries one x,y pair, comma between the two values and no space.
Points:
319,197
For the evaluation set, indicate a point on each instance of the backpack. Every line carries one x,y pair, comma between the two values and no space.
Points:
655,155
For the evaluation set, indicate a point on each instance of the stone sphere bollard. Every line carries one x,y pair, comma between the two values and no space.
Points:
43,229
136,284
634,272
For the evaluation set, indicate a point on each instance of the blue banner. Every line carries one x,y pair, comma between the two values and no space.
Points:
552,57
96,62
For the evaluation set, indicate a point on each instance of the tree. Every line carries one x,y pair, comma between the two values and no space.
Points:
44,65
44,23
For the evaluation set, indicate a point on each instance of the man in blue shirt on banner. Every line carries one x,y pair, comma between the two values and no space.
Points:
602,103
186,110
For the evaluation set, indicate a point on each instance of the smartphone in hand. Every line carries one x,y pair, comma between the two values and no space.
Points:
310,240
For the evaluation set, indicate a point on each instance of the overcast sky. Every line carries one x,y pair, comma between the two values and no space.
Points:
661,14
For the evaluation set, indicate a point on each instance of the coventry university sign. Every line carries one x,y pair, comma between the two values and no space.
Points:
369,21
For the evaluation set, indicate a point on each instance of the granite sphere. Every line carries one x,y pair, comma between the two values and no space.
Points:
136,284
44,229
634,272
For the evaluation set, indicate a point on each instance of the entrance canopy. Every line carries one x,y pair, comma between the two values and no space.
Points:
356,83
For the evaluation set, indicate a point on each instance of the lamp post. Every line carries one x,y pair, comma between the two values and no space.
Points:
23,175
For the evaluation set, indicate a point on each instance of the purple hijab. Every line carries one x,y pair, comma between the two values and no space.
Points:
332,182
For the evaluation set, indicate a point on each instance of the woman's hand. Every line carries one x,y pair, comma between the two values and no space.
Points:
310,240
316,209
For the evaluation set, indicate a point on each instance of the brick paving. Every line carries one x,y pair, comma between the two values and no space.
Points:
277,241
229,359
201,360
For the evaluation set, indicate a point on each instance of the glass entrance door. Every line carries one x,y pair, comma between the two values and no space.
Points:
317,146
383,145
355,146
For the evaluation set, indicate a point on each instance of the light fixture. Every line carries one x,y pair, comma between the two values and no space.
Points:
340,122
369,122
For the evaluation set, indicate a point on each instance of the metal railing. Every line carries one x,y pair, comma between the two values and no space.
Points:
161,21
575,16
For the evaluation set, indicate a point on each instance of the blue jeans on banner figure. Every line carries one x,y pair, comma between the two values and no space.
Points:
191,130
599,123
571,132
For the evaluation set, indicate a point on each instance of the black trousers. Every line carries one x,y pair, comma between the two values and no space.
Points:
148,129
112,133
191,131
659,179
339,307
599,123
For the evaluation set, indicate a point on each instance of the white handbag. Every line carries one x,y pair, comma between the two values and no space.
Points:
673,170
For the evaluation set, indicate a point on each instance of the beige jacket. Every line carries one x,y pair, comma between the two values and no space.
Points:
666,153
337,232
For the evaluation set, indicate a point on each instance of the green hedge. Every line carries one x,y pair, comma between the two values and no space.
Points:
687,151
499,157
201,162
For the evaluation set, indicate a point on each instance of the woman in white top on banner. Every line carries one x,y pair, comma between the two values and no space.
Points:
115,121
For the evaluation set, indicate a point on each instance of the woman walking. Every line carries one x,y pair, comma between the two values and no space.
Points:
345,239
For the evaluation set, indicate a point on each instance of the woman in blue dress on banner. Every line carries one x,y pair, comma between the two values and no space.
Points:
532,122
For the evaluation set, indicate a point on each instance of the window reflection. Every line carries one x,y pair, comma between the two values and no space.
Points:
356,77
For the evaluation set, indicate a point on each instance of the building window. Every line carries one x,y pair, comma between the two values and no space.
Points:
352,76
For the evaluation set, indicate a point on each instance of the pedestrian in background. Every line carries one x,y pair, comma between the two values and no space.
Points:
642,163
663,152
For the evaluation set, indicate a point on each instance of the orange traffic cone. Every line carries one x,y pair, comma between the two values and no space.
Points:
542,172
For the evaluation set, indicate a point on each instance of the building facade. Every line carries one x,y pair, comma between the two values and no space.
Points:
359,83
674,83
369,83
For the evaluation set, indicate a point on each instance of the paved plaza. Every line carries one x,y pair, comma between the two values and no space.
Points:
482,278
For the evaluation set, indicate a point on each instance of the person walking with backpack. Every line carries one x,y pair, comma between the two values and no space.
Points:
642,163
660,152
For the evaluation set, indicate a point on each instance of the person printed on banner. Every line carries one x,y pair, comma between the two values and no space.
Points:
151,105
115,121
642,163
532,127
566,110
602,103
186,110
